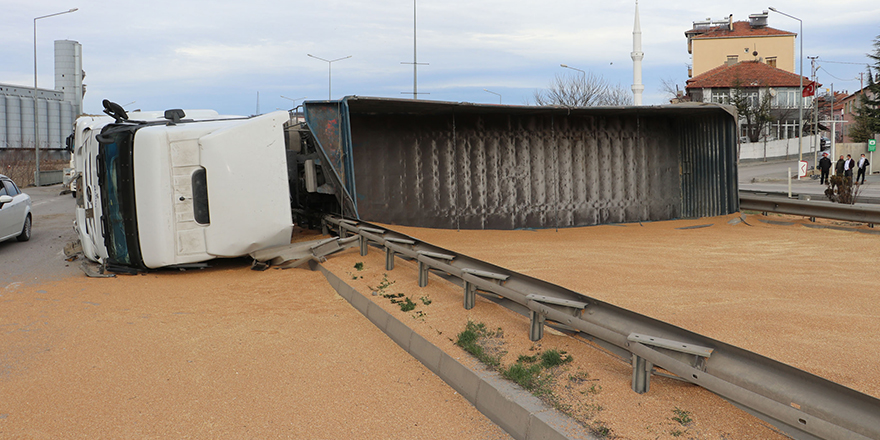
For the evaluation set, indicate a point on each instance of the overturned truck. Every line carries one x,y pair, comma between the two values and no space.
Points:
169,189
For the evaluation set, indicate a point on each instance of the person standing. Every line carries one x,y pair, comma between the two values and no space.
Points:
862,166
848,166
824,167
838,167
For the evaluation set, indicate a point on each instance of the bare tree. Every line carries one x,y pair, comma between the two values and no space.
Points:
584,90
753,110
670,87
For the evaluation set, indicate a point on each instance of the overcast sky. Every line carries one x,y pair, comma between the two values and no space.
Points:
220,54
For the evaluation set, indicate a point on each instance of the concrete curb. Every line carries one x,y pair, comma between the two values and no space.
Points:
515,410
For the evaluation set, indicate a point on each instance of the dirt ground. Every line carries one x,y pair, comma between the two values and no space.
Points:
799,294
225,352
233,353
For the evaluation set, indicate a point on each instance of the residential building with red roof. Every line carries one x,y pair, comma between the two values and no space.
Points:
713,43
757,81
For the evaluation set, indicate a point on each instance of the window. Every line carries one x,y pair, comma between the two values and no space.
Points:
751,98
771,61
785,98
785,129
11,188
201,211
720,96
732,59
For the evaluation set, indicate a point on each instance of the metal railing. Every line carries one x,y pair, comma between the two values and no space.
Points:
809,208
800,404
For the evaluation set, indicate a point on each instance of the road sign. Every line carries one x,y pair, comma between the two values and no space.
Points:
802,169
872,144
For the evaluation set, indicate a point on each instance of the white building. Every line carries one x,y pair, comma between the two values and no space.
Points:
58,108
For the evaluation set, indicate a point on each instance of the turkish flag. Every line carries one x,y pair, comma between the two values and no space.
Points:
809,90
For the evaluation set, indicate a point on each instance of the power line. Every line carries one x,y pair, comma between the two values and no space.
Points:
842,62
839,79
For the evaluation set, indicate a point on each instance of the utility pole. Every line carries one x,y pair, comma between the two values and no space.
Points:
415,62
817,144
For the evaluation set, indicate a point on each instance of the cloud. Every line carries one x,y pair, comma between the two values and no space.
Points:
220,53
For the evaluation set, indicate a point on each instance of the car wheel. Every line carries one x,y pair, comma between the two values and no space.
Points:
25,230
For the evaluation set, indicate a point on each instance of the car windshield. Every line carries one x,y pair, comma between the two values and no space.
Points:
117,194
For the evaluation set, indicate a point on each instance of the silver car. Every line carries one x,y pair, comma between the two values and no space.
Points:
15,211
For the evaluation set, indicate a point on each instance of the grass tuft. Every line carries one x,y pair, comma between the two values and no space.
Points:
681,416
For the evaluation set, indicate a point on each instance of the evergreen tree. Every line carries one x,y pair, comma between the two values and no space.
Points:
867,122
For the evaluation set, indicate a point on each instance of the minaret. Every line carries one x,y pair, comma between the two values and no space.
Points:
637,56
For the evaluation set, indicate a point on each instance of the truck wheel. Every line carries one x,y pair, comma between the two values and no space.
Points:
25,230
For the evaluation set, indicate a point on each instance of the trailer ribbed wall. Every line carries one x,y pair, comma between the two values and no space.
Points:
465,166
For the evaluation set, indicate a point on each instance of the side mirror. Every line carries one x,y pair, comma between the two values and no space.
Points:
4,200
69,143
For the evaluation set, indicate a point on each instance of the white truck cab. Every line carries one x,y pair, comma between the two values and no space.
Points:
157,189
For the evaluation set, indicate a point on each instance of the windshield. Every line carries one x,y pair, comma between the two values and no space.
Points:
116,179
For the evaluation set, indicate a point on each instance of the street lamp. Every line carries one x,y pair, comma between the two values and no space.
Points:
329,72
294,100
801,92
573,68
499,95
36,105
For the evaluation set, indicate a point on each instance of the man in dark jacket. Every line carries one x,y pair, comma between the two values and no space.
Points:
862,166
825,167
848,166
838,167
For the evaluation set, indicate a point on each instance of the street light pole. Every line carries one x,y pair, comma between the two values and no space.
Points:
498,94
36,104
294,100
801,75
329,72
584,74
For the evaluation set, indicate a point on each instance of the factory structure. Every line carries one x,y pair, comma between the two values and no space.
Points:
58,108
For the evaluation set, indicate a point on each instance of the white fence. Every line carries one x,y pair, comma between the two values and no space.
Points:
777,149
782,148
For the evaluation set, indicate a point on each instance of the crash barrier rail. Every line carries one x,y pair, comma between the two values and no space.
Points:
861,199
800,404
809,208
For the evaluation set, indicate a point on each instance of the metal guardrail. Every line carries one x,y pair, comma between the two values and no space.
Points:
804,406
809,208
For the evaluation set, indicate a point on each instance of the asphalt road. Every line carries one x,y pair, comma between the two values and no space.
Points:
771,177
41,258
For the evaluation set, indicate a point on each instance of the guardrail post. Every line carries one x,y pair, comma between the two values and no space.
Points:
470,295
363,242
641,382
536,326
389,259
423,274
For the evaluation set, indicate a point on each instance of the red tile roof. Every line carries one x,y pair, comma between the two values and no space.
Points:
740,29
745,74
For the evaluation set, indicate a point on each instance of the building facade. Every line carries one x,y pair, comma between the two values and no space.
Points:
713,43
766,88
